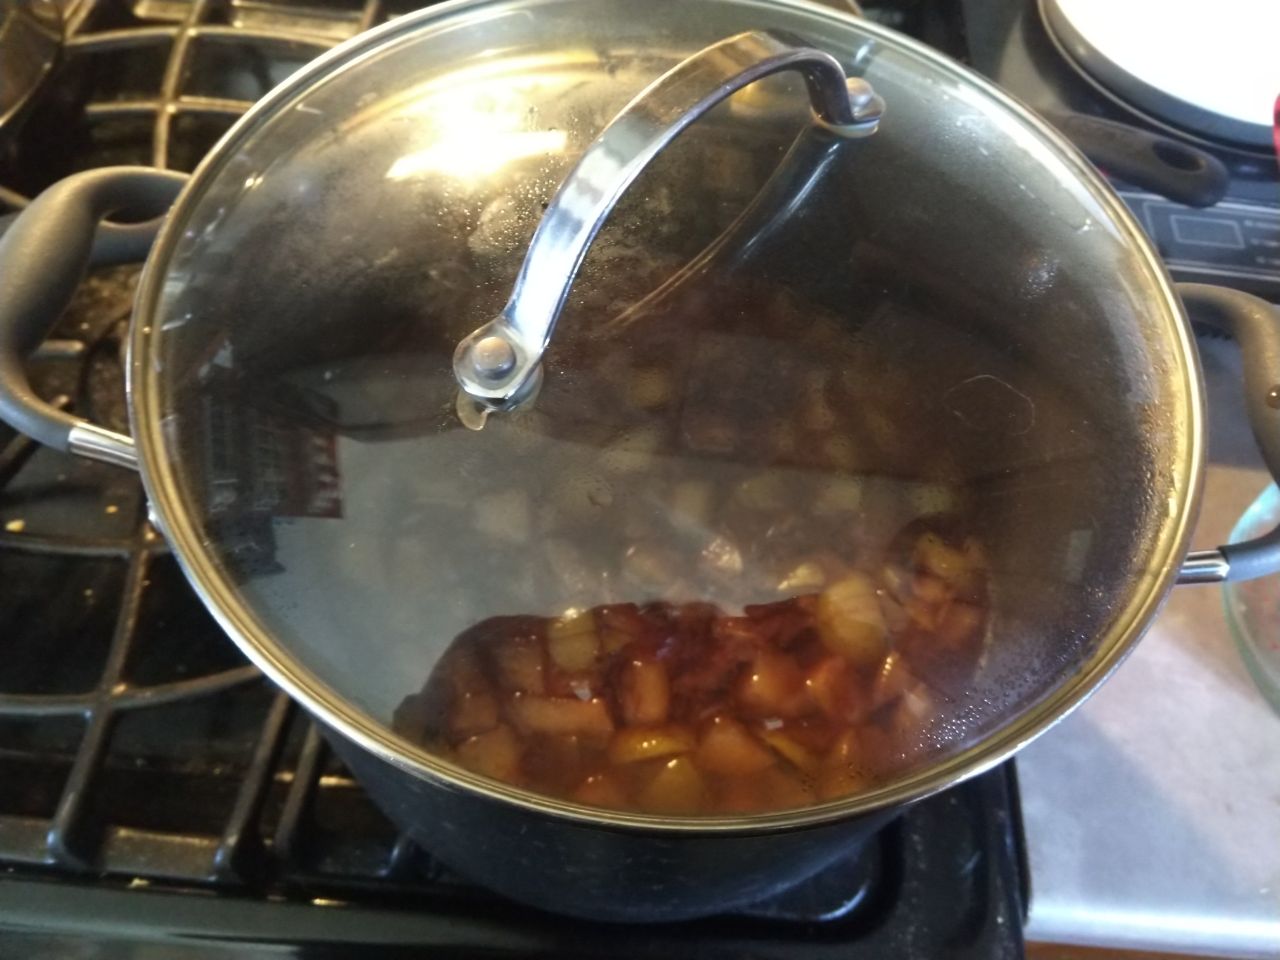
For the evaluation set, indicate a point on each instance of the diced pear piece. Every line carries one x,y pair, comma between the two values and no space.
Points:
728,748
572,642
561,716
850,621
472,713
644,694
520,665
678,788
633,744
842,770
785,790
773,687
495,753
799,757
601,790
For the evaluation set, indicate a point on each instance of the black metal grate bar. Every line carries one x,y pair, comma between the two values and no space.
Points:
69,546
240,851
66,836
111,40
20,449
126,697
178,61
12,199
300,796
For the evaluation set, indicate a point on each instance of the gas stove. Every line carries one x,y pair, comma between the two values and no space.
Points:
152,784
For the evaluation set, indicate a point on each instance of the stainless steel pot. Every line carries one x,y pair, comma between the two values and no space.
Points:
323,312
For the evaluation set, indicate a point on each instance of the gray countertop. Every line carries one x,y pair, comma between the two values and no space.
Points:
1153,813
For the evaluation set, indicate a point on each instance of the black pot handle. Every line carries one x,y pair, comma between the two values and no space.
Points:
1255,325
44,253
1175,170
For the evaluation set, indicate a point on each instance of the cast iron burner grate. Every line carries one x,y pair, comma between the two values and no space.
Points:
157,82
144,762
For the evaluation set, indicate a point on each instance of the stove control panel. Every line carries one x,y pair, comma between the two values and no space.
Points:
1234,244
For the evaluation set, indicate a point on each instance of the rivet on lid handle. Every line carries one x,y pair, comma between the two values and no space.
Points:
497,365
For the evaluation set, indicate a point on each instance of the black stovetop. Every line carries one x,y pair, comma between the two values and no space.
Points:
153,784
1235,243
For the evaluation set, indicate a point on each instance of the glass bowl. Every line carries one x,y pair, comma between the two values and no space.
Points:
1253,606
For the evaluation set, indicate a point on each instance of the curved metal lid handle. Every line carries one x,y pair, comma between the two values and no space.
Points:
498,364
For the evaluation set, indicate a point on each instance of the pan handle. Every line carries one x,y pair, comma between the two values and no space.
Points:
498,364
44,253
1255,325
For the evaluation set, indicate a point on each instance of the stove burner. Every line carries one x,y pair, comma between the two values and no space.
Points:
1143,60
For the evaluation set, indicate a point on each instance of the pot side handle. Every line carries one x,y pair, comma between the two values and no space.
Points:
1255,325
44,253
498,365
1175,170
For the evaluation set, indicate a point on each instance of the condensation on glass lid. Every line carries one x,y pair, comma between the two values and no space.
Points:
698,596
471,123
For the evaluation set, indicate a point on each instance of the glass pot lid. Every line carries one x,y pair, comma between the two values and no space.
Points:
874,450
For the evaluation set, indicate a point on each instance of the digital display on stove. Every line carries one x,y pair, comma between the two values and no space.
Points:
1233,243
1203,231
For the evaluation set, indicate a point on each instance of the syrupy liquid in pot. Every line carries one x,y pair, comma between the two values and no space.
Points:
685,709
